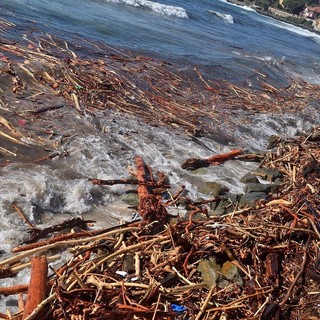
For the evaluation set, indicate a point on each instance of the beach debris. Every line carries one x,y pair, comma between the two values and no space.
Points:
37,290
257,262
194,163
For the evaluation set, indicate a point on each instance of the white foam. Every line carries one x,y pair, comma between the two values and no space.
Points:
246,8
226,17
155,7
292,28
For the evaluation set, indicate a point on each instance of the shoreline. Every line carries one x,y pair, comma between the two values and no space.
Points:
51,93
275,16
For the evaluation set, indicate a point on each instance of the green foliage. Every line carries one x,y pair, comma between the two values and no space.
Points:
299,21
312,2
294,6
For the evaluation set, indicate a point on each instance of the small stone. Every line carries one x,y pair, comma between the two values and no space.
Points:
213,189
231,273
249,178
259,187
209,271
270,174
199,172
251,198
273,142
221,207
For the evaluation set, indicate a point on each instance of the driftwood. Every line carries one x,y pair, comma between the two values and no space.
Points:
67,224
194,163
21,288
37,290
150,206
163,269
101,182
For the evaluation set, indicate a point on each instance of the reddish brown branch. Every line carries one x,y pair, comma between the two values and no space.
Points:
21,288
23,216
194,163
150,206
37,290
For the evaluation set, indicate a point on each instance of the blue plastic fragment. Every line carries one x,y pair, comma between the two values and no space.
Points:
177,308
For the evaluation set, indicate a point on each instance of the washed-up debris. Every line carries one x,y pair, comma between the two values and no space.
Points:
46,69
246,259
192,164
258,262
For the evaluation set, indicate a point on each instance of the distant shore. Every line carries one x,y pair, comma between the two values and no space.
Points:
271,12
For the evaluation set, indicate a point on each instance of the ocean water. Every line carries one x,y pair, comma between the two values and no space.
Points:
228,41
223,40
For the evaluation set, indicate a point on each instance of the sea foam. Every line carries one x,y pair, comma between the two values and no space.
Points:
226,17
155,7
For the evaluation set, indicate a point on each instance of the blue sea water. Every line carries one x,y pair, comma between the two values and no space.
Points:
226,40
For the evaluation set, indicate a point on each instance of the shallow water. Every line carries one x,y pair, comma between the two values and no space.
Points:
186,32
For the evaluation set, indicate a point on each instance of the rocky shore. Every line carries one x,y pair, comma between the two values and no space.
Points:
232,256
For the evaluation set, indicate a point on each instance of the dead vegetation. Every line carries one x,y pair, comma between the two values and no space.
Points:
256,262
45,74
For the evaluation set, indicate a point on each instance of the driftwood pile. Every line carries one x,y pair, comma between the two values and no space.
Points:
257,262
46,75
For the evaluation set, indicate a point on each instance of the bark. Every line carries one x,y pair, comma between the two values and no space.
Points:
194,163
150,206
37,290
21,288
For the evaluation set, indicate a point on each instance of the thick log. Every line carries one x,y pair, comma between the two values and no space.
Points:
150,206
37,290
194,163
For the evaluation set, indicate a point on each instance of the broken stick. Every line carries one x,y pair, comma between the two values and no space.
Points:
194,163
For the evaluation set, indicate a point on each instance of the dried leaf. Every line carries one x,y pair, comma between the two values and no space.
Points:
209,271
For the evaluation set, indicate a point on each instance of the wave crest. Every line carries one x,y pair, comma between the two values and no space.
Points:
155,7
227,17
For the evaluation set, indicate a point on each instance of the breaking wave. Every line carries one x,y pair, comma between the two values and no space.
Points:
155,7
226,17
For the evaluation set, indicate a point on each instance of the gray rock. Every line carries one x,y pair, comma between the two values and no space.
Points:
222,207
270,174
273,141
213,189
251,198
130,198
225,205
233,197
249,178
259,187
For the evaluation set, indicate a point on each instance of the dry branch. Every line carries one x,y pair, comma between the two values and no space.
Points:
194,163
38,286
